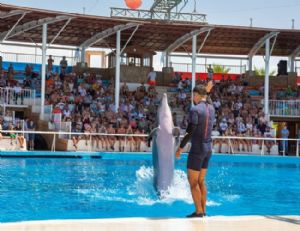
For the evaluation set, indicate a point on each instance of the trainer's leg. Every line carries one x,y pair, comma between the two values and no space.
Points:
193,177
202,187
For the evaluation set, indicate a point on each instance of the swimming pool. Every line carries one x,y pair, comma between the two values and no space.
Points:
120,185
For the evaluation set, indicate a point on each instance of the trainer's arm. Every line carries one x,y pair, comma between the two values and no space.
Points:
208,88
189,132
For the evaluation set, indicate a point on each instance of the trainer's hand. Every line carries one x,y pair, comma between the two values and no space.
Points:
209,86
178,152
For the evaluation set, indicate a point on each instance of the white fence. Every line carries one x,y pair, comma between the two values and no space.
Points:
202,68
13,96
34,58
229,144
284,108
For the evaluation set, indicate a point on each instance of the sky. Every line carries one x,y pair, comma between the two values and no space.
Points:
264,13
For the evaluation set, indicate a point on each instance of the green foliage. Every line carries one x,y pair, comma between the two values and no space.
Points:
262,71
220,69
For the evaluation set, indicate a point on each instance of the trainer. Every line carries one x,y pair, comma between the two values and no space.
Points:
201,119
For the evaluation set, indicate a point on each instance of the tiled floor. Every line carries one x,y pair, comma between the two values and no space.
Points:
245,223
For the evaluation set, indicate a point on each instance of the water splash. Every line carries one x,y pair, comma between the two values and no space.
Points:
142,192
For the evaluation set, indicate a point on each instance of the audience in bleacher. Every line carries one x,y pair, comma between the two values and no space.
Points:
87,101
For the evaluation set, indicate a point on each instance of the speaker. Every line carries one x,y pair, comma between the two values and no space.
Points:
282,67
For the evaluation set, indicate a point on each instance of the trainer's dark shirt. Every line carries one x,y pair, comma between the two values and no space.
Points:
201,119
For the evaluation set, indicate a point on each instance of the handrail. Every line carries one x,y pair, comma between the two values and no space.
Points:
146,135
187,67
285,108
33,58
8,96
228,139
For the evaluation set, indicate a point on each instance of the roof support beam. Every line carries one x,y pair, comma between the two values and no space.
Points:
12,13
14,26
136,28
61,30
31,25
106,33
295,52
261,42
183,39
292,58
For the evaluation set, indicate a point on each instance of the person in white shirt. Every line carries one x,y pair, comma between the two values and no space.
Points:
18,93
223,126
217,104
216,132
152,78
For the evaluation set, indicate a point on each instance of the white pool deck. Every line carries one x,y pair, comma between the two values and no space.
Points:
217,223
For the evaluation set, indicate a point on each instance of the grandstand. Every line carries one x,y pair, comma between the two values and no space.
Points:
77,98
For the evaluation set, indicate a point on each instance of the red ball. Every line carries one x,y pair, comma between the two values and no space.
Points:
133,4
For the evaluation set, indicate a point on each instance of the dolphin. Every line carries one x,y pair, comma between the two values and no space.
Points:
163,147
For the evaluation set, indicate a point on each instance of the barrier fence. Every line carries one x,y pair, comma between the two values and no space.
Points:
202,68
128,142
34,58
17,96
290,108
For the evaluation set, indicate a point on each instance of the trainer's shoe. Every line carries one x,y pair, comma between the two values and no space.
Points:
194,214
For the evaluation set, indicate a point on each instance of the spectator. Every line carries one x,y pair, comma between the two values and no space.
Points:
12,134
76,137
151,78
63,64
18,93
31,127
20,136
210,72
1,64
284,142
130,139
50,63
10,70
268,143
1,136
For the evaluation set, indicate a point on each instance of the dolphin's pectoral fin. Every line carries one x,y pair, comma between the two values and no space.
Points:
152,133
176,133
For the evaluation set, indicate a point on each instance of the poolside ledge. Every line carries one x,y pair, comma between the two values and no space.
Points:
217,223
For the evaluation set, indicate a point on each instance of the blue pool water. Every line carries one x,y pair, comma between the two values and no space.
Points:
120,185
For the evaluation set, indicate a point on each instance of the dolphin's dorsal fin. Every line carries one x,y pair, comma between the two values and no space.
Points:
176,131
152,133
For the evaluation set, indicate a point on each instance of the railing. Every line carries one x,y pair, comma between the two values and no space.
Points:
202,68
124,142
34,58
11,96
158,15
284,108
65,127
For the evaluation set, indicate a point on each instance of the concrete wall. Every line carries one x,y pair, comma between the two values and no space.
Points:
275,81
132,74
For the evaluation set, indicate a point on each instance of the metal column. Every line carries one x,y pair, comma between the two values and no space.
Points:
117,76
292,64
43,79
82,60
266,87
250,63
194,49
167,61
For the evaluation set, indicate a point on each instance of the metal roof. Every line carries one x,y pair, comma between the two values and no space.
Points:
153,35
